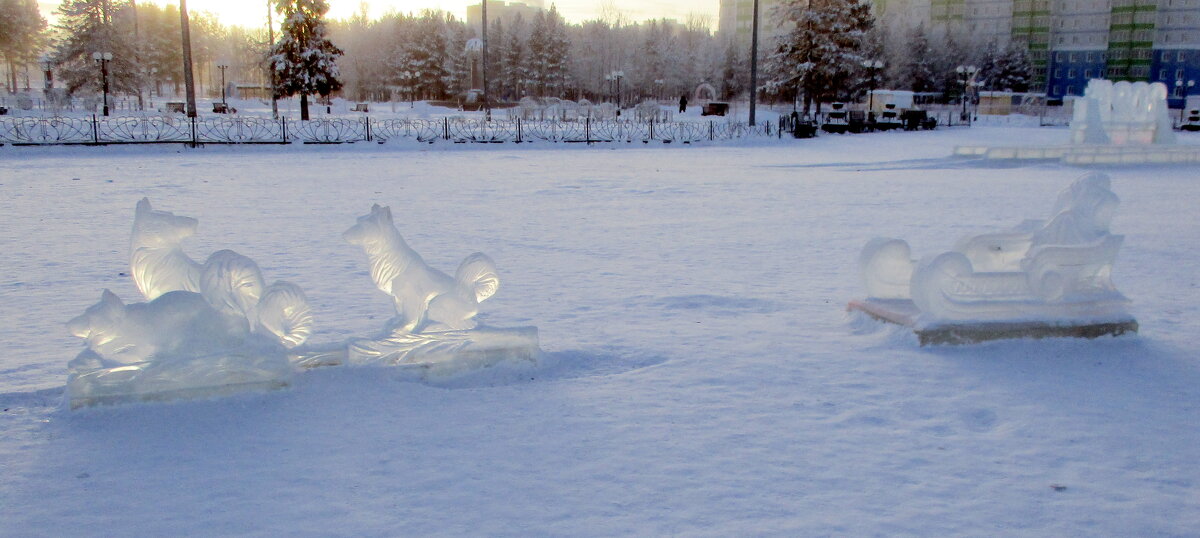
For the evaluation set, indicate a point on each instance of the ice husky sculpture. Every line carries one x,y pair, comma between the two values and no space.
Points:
1055,272
206,329
426,299
156,259
435,326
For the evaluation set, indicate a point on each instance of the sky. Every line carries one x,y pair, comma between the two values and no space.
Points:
240,12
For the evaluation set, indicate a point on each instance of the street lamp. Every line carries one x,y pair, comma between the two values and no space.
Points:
965,74
1182,88
47,64
617,76
873,67
223,68
103,58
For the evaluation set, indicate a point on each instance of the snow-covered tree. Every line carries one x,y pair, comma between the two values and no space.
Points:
89,26
304,59
916,70
820,55
514,72
735,71
548,49
1008,69
21,35
458,70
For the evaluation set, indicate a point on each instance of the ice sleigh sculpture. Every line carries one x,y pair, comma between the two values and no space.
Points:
1042,278
216,328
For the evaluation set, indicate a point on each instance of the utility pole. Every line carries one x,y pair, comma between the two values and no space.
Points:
188,80
137,60
753,63
487,106
270,66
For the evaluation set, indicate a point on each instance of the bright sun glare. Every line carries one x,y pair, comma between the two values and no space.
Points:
254,13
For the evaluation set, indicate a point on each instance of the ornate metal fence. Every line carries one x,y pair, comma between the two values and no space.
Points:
255,130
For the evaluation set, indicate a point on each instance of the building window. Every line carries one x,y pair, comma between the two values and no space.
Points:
1070,74
1087,73
1058,73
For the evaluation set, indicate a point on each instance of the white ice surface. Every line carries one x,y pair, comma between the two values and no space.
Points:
701,376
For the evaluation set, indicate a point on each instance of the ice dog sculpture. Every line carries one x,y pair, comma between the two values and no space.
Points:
206,329
1041,274
435,324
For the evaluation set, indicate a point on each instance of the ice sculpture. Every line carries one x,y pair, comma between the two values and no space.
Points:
1039,278
435,323
1122,113
156,259
205,329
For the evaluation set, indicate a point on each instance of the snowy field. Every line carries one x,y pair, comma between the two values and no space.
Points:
701,375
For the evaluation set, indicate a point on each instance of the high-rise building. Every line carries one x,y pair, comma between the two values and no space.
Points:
1072,41
736,20
505,11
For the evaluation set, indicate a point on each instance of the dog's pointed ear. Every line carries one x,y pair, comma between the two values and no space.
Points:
374,208
110,299
143,205
387,212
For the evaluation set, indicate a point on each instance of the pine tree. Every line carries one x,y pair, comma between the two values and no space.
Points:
304,60
513,69
425,56
21,35
917,71
734,69
496,43
1008,70
90,26
458,72
821,55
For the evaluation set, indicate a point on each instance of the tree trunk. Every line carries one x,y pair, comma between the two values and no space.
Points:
304,106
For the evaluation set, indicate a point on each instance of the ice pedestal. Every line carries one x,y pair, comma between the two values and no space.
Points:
221,374
448,352
1041,278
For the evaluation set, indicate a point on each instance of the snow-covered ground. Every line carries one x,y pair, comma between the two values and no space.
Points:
701,376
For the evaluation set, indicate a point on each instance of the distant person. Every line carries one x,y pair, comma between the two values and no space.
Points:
682,104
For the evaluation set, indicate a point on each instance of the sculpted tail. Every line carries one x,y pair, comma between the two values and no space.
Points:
478,274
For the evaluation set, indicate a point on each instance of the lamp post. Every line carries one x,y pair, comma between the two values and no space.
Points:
47,76
223,68
965,74
616,76
103,58
873,67
1182,88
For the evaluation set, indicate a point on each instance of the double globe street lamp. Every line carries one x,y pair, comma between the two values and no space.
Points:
616,76
103,58
965,74
873,67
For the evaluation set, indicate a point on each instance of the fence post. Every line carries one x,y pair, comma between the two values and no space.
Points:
95,130
446,128
367,122
587,129
194,141
283,128
710,131
518,130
